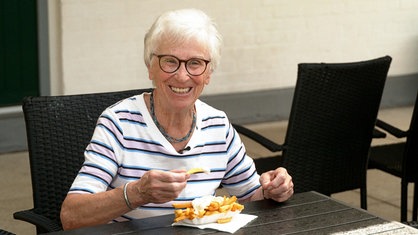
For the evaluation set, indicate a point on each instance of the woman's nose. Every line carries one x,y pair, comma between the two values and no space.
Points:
182,73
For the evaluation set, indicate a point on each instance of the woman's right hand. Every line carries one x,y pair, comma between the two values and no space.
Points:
157,186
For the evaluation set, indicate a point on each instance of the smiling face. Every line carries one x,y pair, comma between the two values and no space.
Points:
179,90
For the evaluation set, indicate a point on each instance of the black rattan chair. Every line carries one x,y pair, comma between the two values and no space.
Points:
4,232
58,130
330,126
400,159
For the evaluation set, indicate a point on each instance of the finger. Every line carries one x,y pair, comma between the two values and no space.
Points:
266,178
281,193
277,190
179,170
160,181
283,196
173,187
163,192
279,178
163,197
272,179
168,176
183,171
179,177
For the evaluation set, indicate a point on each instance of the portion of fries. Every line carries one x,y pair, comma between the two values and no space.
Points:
220,208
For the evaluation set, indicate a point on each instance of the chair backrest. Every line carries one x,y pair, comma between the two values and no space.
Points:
58,130
4,232
410,163
331,122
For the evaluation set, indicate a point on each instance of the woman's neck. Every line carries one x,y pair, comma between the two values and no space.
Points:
177,127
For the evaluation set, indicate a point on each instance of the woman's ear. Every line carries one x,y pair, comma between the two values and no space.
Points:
149,73
207,79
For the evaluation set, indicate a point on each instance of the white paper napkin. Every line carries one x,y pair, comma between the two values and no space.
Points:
237,222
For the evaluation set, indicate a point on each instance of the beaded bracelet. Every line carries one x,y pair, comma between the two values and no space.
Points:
125,196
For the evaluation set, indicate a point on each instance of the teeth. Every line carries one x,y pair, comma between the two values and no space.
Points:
180,90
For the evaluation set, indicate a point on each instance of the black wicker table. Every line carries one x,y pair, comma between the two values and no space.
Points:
304,213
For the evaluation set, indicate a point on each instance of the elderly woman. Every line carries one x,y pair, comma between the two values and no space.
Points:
135,165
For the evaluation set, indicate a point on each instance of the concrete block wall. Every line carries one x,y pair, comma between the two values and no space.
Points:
100,41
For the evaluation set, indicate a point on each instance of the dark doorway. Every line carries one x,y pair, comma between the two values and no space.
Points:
19,75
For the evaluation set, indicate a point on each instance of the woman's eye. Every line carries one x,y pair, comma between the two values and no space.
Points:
195,62
170,61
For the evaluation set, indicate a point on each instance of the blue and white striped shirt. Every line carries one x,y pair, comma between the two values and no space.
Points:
126,143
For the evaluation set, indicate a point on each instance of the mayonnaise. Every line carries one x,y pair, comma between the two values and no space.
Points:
203,202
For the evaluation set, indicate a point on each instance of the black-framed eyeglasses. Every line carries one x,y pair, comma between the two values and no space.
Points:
170,64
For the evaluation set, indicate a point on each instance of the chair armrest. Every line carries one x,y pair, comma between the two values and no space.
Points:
377,134
391,129
41,222
268,144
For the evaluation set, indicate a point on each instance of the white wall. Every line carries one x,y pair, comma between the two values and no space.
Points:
98,43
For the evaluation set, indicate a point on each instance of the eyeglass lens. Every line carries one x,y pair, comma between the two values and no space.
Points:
194,66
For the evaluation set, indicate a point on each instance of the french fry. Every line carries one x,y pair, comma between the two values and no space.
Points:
236,207
211,213
230,200
201,213
225,208
179,218
178,213
186,210
214,206
182,205
198,170
224,220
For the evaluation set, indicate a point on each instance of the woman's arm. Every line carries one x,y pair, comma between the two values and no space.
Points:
80,210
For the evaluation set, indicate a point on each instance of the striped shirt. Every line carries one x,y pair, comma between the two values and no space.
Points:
126,143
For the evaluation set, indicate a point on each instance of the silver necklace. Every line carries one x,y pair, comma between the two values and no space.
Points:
162,130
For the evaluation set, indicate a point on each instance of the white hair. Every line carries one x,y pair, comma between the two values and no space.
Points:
181,26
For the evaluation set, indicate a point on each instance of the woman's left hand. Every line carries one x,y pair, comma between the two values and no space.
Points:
277,184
